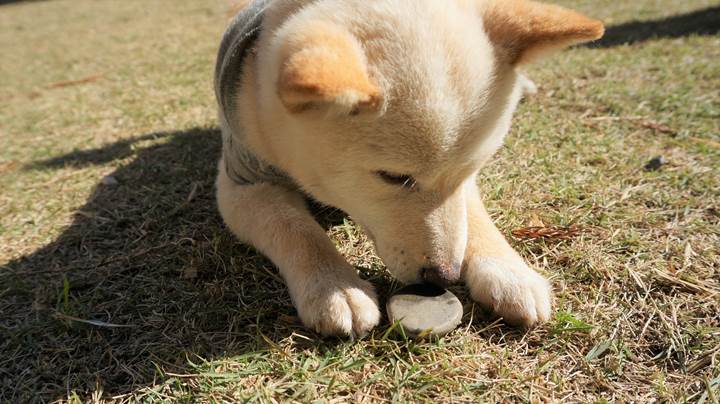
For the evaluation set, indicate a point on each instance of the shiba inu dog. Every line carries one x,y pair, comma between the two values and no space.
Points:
387,110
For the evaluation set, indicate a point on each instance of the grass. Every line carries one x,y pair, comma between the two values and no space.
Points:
134,291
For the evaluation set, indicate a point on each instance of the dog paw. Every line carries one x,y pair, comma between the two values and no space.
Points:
338,307
510,289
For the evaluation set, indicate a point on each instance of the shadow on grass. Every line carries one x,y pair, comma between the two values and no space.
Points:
700,22
105,154
151,257
149,254
5,2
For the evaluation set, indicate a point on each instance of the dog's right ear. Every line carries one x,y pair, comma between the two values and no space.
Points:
523,30
325,66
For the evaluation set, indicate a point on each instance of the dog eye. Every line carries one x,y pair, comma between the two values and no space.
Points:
403,180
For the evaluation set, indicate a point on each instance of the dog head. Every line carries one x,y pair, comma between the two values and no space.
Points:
387,109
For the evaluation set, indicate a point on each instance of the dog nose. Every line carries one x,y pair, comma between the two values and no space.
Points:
442,276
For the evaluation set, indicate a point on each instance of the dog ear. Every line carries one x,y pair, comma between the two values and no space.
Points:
324,65
523,30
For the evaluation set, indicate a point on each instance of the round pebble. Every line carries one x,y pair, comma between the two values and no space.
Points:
425,310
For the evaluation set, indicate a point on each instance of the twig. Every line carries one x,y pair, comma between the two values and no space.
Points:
96,323
546,233
67,83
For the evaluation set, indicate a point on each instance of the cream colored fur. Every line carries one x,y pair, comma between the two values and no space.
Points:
402,86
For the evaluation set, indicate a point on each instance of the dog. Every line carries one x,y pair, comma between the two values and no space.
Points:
386,110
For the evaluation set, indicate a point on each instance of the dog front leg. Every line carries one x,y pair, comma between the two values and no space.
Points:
327,292
498,278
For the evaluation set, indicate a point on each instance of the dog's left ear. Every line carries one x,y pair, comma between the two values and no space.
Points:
523,30
324,66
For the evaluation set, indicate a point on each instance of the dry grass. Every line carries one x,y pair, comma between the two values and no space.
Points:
134,291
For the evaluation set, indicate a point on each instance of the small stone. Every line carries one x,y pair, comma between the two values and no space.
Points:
109,180
655,163
425,310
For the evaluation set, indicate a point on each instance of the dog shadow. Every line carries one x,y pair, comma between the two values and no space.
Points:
146,277
6,2
700,22
149,263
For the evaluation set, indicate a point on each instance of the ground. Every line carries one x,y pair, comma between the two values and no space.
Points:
118,281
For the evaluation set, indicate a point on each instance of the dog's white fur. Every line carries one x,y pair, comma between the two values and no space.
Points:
339,90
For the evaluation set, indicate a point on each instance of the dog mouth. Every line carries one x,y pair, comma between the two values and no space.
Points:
396,264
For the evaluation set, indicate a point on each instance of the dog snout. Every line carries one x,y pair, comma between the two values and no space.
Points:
441,275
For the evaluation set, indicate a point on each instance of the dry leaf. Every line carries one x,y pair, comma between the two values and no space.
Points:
658,127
